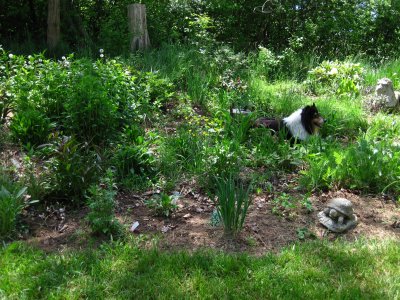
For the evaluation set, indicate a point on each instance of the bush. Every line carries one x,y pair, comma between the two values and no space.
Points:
90,114
232,202
73,168
336,77
31,127
101,204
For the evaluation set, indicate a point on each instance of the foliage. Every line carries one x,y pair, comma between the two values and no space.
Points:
101,204
30,127
163,204
283,205
371,164
132,160
12,202
232,202
73,168
74,111
336,76
341,29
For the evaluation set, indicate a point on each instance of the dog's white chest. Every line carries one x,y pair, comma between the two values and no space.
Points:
293,123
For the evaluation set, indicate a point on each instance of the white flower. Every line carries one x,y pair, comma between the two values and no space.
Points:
10,55
101,55
101,50
63,58
333,71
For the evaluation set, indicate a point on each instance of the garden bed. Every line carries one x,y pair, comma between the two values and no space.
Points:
267,228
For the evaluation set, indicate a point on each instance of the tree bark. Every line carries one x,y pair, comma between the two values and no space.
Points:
138,27
53,24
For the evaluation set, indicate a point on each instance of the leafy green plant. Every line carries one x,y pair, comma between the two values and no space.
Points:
100,199
163,204
232,202
12,202
133,161
370,164
6,104
337,77
73,168
305,233
283,205
31,127
90,114
11,205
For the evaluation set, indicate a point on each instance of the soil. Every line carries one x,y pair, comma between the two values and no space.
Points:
268,227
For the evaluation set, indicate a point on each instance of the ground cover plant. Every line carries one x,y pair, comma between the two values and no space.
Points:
145,184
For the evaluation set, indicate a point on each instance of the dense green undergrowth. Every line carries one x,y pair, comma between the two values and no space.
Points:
317,270
76,118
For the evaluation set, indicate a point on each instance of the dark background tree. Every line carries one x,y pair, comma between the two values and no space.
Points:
327,27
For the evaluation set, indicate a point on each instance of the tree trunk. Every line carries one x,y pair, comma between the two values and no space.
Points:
53,24
138,27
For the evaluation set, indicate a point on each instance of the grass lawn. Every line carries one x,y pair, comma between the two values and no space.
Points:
124,270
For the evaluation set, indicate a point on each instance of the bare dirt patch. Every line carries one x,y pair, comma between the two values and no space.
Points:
266,228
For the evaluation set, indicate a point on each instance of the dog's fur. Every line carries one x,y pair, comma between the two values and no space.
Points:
300,125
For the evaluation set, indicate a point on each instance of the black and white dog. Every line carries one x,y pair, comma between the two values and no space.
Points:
300,125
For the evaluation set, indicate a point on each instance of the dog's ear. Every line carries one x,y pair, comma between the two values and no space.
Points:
313,104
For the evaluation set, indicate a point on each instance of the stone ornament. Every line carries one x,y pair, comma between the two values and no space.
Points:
384,88
338,216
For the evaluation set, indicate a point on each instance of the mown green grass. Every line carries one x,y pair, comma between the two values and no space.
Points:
315,270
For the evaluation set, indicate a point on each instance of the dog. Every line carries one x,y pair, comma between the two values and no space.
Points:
299,126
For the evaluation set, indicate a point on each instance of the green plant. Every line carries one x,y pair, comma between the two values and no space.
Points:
370,164
73,168
306,203
232,202
31,127
90,114
13,200
338,77
283,205
100,199
11,205
163,204
305,233
223,159
133,161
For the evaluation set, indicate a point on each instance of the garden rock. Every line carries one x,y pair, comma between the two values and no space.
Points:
384,88
338,216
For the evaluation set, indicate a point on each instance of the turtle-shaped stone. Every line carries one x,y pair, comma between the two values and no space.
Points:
338,216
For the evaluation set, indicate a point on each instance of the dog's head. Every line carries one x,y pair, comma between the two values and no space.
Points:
311,119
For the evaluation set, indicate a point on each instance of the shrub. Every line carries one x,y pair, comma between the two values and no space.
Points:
101,204
132,159
73,168
232,202
90,113
31,127
337,77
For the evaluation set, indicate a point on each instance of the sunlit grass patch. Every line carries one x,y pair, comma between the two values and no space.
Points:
320,269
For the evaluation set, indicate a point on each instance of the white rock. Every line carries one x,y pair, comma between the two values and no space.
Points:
384,88
134,226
